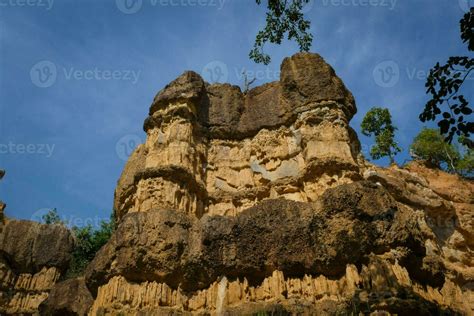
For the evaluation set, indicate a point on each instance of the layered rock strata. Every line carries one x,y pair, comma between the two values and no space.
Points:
32,258
377,287
241,203
212,149
447,204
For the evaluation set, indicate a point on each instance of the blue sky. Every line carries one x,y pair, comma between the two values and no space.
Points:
77,78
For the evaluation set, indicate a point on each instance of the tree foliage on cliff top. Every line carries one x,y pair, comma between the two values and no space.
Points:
429,145
444,83
283,17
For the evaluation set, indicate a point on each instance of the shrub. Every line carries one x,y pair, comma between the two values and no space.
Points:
429,145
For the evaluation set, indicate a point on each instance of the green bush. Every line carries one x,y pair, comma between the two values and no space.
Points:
429,145
52,217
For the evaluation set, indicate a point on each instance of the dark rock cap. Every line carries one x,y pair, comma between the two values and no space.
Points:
226,112
188,86
306,78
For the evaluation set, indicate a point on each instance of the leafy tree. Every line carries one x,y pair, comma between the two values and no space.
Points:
83,250
378,122
465,165
429,145
102,235
52,217
283,16
444,83
88,243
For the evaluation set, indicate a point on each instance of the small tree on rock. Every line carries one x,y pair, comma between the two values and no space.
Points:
52,217
378,123
430,145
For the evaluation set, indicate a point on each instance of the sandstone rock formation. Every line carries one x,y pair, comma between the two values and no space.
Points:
260,203
241,203
211,149
447,204
32,258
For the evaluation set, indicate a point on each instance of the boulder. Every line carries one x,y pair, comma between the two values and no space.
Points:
33,257
187,87
306,78
28,246
70,297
